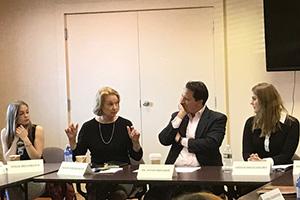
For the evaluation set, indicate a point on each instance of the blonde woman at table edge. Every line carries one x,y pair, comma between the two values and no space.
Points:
271,134
21,137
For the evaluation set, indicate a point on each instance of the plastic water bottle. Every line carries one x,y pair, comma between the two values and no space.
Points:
68,154
298,188
227,158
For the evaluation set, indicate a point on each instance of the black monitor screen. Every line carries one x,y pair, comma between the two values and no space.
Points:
282,34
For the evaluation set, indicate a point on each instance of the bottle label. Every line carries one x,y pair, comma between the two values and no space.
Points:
227,155
68,155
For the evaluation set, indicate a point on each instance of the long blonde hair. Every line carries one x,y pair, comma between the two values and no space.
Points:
271,106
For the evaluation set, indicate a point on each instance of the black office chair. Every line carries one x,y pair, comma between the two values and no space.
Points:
53,155
57,190
138,190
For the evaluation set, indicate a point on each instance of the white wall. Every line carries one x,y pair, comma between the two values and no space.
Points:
32,59
246,66
33,54
29,64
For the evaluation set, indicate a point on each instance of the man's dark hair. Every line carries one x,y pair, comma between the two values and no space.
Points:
199,90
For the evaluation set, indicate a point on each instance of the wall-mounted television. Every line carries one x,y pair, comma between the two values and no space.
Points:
282,34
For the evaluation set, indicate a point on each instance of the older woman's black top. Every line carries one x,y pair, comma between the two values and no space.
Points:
282,143
114,145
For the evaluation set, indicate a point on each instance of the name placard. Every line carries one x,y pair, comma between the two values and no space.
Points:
25,166
296,167
272,195
156,172
74,168
251,168
2,168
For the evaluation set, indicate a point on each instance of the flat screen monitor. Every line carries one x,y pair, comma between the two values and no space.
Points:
282,34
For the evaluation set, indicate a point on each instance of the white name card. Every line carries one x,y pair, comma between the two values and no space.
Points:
251,168
25,166
156,172
296,167
74,168
2,168
272,195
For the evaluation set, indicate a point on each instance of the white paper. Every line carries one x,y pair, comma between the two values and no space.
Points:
273,194
111,170
281,167
186,169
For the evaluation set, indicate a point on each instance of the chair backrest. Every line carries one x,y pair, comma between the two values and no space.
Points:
53,155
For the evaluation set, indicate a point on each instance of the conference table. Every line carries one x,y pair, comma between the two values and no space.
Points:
10,180
210,175
287,179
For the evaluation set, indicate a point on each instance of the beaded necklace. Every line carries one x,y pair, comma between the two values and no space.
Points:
112,133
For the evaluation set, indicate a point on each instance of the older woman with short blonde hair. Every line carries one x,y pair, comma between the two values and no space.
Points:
109,138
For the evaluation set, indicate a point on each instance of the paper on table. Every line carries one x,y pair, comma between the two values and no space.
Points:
281,167
283,189
111,170
186,169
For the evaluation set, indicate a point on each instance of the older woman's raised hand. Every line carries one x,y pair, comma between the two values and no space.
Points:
71,132
134,135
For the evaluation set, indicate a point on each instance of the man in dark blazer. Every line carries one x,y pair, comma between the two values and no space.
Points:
195,134
195,131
